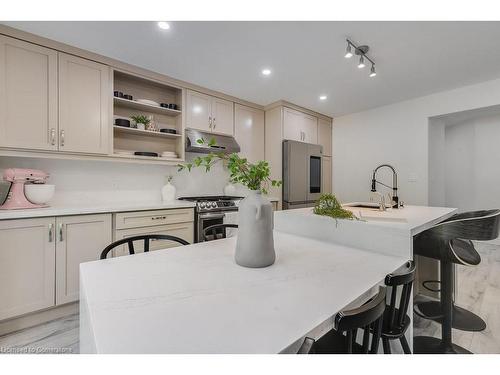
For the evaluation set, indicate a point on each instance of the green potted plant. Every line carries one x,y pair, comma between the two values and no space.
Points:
141,121
255,244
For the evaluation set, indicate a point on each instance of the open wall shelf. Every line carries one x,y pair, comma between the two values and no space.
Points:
132,139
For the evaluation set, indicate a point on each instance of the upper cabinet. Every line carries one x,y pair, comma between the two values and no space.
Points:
222,116
28,95
325,136
299,126
249,132
84,94
209,114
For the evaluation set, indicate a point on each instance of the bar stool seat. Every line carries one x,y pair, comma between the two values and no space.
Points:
464,251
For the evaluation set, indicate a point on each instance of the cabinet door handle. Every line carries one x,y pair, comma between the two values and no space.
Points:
51,232
62,138
214,123
52,136
210,122
61,238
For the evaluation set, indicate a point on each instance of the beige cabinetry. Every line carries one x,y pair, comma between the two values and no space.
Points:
326,172
78,239
299,126
84,122
325,136
52,101
40,258
28,95
27,266
175,222
249,132
209,114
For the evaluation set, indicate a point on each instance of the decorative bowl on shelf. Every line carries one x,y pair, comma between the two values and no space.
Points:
147,101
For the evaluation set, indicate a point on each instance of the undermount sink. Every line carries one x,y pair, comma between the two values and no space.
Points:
370,212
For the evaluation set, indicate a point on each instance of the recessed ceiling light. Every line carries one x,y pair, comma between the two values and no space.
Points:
323,97
163,25
266,72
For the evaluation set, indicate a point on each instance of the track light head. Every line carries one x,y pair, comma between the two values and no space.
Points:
373,73
361,64
348,52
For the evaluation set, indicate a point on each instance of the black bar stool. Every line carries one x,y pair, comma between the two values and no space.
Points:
450,243
217,231
396,319
342,339
146,238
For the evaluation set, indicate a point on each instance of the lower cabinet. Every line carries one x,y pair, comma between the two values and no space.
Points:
40,258
79,239
27,266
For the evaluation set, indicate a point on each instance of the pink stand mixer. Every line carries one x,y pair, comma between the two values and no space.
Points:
16,198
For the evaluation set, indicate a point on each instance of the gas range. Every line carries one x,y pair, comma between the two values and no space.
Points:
214,203
212,210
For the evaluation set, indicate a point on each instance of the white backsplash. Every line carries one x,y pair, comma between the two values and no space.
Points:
83,182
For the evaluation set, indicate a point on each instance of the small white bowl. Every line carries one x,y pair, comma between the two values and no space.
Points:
39,193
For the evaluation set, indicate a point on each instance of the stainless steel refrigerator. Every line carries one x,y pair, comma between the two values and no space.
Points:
301,174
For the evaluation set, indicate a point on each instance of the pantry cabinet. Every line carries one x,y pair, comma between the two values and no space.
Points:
249,132
27,266
78,239
84,94
28,95
325,136
209,114
299,126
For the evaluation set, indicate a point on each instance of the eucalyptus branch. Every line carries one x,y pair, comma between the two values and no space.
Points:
254,176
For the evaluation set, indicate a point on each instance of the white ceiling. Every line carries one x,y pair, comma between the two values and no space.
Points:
306,58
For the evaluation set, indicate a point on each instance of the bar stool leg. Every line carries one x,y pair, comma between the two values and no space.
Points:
433,345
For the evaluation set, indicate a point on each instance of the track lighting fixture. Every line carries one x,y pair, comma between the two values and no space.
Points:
361,51
361,64
348,52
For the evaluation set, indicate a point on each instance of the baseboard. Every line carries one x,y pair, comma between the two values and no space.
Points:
39,317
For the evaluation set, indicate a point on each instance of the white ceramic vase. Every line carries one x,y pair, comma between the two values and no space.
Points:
255,243
168,193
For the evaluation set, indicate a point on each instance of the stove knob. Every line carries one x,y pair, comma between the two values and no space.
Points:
202,204
214,204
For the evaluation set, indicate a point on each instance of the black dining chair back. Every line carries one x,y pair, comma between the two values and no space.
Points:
368,317
307,346
146,238
396,319
217,231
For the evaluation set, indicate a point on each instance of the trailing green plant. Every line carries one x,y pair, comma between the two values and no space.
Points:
141,119
253,176
328,205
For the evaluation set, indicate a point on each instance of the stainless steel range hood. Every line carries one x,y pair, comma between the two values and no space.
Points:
224,143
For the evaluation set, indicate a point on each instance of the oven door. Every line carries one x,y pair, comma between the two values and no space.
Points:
208,219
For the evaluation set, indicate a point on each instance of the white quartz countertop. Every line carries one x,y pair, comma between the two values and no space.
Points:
76,209
195,299
82,209
383,236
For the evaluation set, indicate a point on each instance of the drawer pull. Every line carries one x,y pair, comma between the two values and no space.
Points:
51,232
158,217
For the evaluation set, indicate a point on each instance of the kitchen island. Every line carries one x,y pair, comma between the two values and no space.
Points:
195,299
